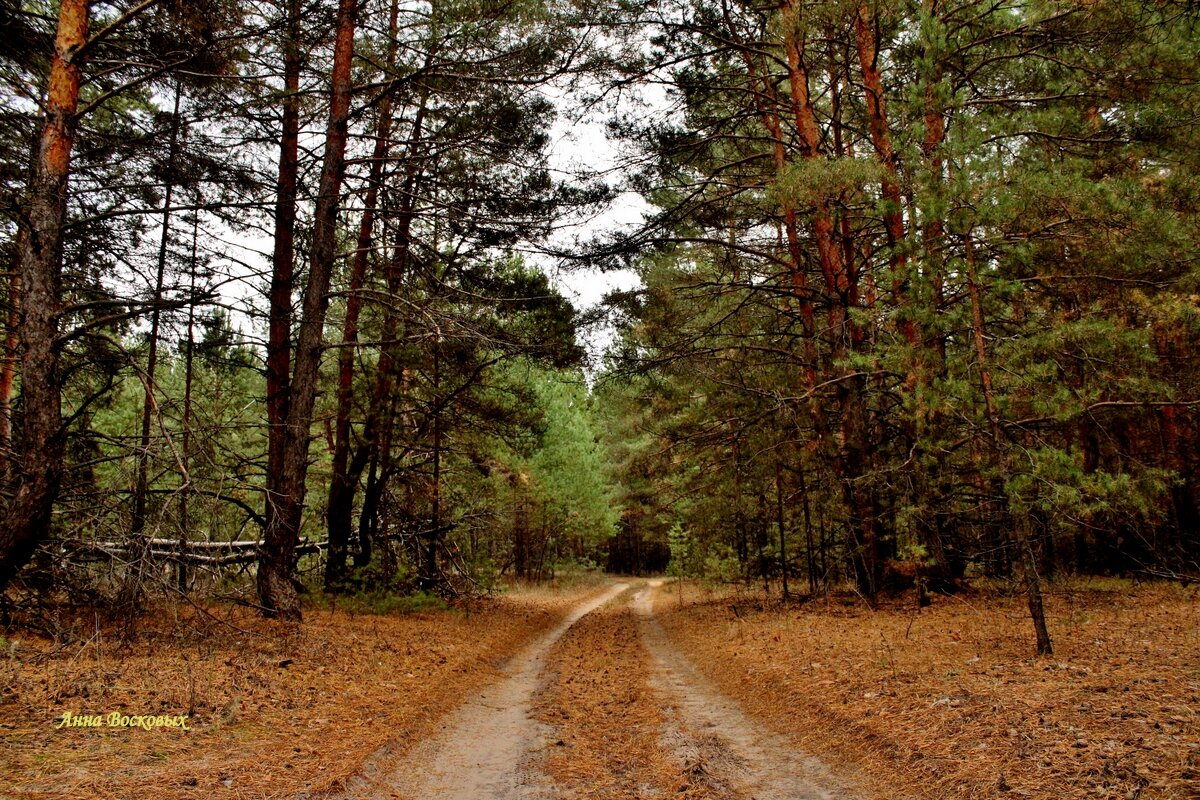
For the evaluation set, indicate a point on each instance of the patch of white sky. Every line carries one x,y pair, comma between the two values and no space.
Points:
581,150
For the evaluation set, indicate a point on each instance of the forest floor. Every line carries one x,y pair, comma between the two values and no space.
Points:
950,703
275,710
619,690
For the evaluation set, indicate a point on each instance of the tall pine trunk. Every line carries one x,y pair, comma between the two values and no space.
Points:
344,479
41,450
377,429
841,284
189,364
279,333
923,360
277,594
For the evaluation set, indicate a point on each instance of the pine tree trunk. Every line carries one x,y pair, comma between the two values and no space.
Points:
1020,533
132,588
430,568
377,429
841,285
279,333
277,594
344,480
781,520
42,446
12,354
189,363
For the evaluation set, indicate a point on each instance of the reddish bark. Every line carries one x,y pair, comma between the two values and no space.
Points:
893,218
12,354
841,283
277,594
40,466
763,91
344,480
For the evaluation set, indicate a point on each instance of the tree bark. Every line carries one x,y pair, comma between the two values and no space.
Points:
42,445
841,284
12,355
377,429
279,334
781,520
344,480
1020,533
277,594
893,216
430,570
189,364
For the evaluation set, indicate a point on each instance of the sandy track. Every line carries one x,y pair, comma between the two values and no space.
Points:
719,747
484,747
493,747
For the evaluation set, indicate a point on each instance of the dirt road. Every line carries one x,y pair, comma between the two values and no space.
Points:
600,707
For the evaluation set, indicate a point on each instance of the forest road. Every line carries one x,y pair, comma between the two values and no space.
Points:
491,748
731,754
484,747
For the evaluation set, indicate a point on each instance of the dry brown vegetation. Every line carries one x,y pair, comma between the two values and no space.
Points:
950,704
276,709
947,703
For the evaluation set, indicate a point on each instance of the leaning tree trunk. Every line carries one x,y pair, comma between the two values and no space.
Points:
1022,539
41,450
277,594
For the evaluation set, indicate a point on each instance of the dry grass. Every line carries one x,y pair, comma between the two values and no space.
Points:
950,703
276,709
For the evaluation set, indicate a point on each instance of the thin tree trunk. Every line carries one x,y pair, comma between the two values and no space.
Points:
277,594
40,468
189,358
810,554
518,529
279,334
367,515
430,568
380,416
131,589
1021,533
779,518
142,487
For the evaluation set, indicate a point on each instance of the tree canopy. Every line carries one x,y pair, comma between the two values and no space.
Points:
917,303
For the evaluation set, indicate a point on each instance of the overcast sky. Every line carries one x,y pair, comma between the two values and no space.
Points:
581,148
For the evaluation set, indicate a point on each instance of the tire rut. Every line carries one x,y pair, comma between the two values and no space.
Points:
485,748
606,718
723,752
600,708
